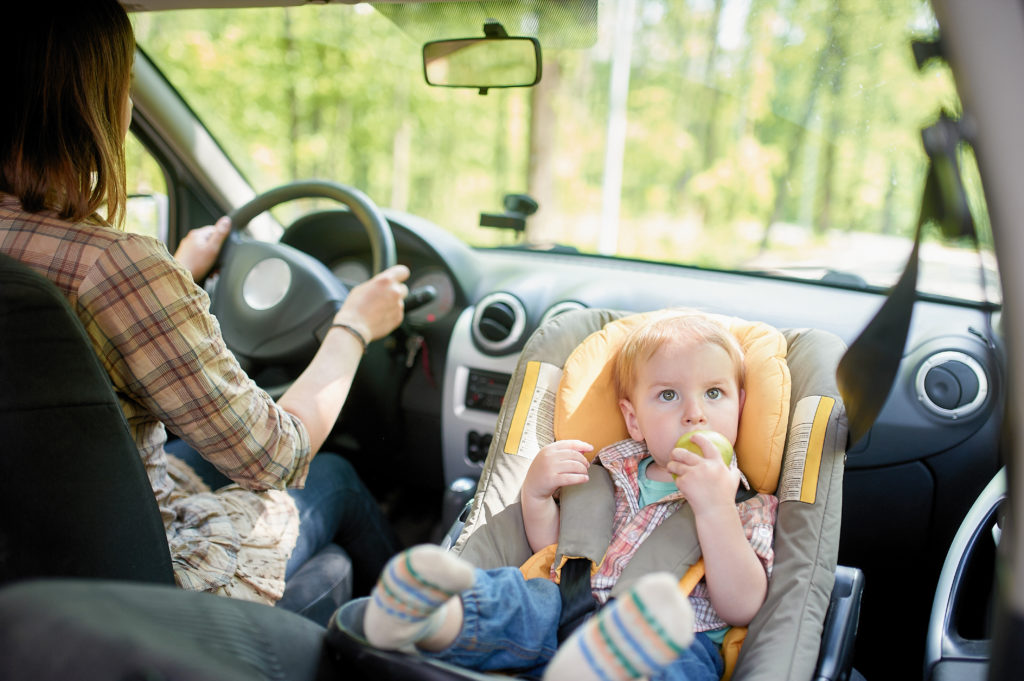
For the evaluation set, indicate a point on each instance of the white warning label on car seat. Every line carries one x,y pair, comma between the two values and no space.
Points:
806,440
533,422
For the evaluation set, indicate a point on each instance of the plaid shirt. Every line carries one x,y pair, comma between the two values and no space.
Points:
151,329
632,525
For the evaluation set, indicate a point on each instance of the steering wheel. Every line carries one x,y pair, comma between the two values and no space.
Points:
274,302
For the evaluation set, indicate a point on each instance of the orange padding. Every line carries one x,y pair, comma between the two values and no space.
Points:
731,649
733,638
539,565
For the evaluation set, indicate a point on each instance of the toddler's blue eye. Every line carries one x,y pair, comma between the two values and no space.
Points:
667,395
714,393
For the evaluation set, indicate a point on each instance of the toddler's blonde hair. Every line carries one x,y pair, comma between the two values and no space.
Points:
643,341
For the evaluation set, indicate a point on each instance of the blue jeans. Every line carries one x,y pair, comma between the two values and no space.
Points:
333,506
511,624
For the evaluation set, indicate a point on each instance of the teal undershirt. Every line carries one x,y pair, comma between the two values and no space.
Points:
652,490
655,490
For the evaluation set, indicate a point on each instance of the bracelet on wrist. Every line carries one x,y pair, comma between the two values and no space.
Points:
352,330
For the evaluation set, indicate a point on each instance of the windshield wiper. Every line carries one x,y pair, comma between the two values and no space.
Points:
828,275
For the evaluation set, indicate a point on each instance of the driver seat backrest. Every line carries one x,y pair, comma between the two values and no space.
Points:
75,500
792,442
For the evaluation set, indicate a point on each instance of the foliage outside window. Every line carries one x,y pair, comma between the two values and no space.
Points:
757,135
147,192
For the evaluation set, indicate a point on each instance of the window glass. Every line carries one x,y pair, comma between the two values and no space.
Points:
147,192
780,136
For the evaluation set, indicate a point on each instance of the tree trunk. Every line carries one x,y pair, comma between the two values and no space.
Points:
782,181
543,125
824,220
401,154
711,116
293,100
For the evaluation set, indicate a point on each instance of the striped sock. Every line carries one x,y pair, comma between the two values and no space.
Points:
631,637
408,602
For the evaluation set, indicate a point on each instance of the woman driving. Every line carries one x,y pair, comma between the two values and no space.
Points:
62,205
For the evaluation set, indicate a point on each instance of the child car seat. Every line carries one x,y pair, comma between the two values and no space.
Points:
791,442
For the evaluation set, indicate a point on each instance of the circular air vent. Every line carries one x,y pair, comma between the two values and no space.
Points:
951,384
498,322
560,307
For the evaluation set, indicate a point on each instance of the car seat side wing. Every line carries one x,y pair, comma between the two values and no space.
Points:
784,638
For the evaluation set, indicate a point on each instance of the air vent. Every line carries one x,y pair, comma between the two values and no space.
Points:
561,307
498,322
951,384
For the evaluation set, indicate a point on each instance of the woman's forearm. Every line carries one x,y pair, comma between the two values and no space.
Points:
318,394
371,310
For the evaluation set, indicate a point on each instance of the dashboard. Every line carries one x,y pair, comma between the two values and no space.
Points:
489,301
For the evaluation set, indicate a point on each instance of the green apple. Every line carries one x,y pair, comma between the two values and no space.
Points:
717,439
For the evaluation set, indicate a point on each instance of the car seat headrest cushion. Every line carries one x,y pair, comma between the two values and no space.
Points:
586,407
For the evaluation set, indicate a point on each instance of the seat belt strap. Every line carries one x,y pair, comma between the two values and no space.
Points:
866,372
578,600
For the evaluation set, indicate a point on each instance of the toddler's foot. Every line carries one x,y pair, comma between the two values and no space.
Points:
633,636
408,602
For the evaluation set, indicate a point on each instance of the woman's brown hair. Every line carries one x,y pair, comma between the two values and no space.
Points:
67,71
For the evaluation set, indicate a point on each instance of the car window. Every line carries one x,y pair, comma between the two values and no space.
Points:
779,137
147,192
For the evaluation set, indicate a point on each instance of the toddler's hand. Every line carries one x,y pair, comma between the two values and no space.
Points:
705,481
556,465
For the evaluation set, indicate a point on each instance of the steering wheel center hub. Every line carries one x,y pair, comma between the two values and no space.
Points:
266,284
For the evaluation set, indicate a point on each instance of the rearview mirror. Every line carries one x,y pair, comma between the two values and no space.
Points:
483,63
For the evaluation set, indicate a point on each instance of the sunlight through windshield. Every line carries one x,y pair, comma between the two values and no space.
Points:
735,134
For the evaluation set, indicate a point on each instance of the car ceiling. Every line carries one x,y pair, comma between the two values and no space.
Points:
156,5
566,24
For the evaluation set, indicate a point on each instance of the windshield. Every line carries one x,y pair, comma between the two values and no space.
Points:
780,137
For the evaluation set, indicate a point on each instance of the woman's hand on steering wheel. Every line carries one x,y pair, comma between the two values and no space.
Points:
375,308
198,251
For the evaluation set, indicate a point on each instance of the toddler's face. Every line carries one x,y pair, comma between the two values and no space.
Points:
686,385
